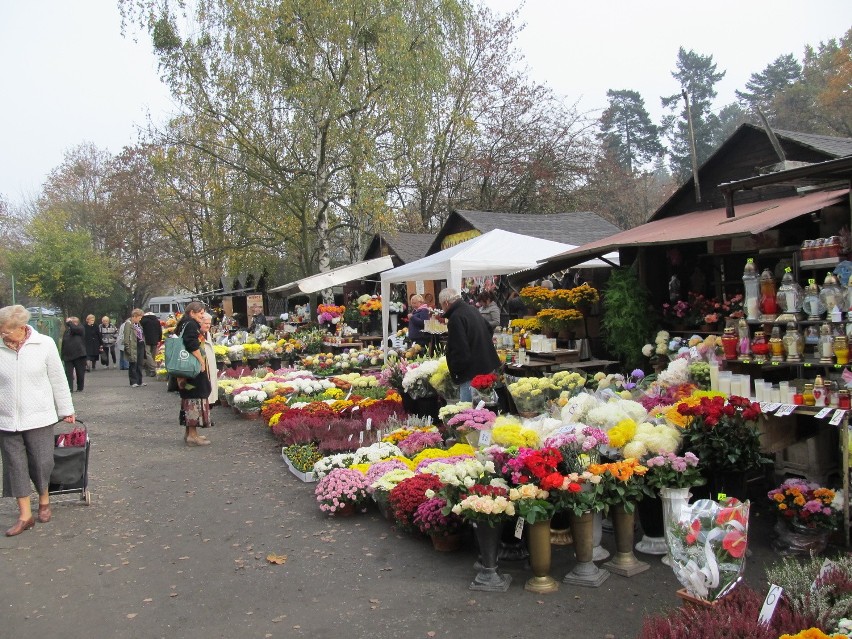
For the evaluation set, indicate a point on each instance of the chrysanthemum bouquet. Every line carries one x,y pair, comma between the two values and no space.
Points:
472,419
671,471
415,382
707,546
339,488
407,495
249,399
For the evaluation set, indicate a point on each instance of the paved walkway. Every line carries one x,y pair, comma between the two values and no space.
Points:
176,539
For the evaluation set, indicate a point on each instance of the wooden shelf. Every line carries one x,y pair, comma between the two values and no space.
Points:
824,262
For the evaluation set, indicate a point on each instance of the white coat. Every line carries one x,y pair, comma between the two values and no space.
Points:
33,388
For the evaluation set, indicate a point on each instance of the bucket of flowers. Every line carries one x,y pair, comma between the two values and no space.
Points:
530,394
341,491
484,389
468,424
807,514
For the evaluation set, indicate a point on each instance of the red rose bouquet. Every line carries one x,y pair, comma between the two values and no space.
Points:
484,383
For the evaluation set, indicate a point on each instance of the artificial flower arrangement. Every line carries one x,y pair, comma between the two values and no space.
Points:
369,304
707,546
329,313
484,384
415,382
806,504
442,381
339,488
722,432
487,504
434,518
672,471
622,483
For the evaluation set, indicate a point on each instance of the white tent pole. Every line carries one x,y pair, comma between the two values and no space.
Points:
385,314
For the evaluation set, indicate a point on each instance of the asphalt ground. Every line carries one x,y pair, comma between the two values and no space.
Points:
175,544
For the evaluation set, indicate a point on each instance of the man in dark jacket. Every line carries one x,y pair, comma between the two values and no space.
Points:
74,353
470,349
152,330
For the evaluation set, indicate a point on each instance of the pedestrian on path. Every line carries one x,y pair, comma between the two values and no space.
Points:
119,343
152,330
34,396
134,348
194,393
210,356
108,332
93,343
74,353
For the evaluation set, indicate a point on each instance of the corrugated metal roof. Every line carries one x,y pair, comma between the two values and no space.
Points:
750,219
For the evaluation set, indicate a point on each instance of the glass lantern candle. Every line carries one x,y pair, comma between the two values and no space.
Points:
841,350
812,304
790,295
759,347
794,343
743,340
729,343
831,294
826,345
776,345
768,293
751,290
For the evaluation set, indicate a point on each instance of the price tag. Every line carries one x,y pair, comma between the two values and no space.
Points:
764,406
356,407
519,528
769,604
480,405
824,412
772,407
806,364
348,394
837,417
786,409
369,424
350,434
361,437
774,363
721,497
694,354
484,438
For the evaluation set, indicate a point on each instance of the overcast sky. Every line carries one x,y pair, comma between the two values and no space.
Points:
68,75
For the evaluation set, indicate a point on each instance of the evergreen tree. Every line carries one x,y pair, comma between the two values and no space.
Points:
698,76
762,87
627,133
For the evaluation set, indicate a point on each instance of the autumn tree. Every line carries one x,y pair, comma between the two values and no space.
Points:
303,97
626,131
697,75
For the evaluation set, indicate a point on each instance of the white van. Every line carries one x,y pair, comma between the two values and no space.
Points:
167,305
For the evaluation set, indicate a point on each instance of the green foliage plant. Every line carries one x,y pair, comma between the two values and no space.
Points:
626,322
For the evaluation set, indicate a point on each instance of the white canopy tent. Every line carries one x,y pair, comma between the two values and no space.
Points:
497,252
341,275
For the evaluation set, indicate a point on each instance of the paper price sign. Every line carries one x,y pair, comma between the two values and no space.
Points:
824,412
484,438
786,409
771,408
348,394
769,604
837,417
519,528
361,437
369,424
480,405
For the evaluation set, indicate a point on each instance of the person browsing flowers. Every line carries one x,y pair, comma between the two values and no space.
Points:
35,395
195,392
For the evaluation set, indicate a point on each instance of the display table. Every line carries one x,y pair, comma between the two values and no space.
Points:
335,347
558,356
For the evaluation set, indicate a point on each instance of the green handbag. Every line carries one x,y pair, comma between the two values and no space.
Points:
180,362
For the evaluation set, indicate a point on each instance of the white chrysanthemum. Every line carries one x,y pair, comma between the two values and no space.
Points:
676,373
578,407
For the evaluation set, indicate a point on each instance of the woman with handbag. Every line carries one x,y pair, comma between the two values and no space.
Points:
34,395
194,392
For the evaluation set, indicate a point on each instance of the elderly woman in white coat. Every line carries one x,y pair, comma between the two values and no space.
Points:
34,395
210,355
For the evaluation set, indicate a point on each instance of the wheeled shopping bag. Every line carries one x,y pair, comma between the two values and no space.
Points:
71,464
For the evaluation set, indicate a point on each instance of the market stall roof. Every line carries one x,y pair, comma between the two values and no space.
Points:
750,219
334,277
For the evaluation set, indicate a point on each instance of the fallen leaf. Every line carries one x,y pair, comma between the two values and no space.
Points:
280,560
148,600
431,633
131,615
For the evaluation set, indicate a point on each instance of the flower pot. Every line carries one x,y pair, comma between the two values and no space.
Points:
584,572
624,562
275,363
560,529
539,543
650,512
488,579
220,365
253,363
792,539
599,553
251,413
347,510
223,401
446,543
690,601
674,499
394,323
